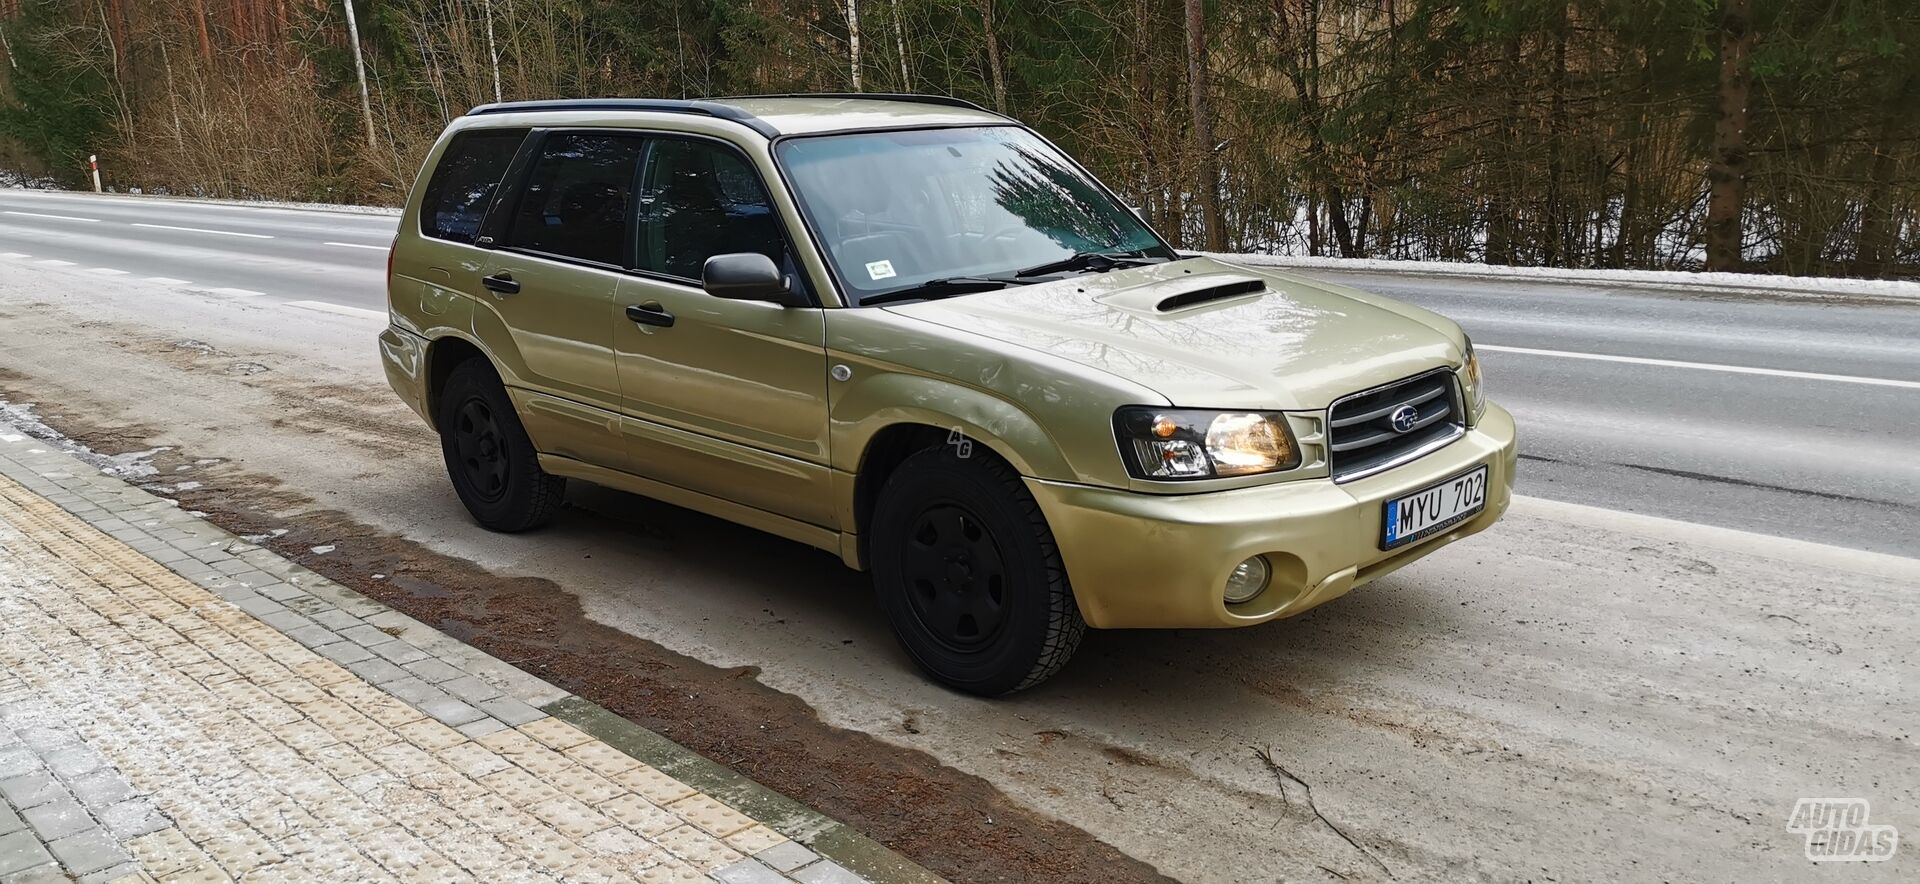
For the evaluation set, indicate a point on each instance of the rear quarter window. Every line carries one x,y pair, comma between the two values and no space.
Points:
464,183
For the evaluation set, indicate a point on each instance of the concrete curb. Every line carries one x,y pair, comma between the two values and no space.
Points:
825,835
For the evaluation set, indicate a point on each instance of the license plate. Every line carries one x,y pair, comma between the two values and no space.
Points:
1434,509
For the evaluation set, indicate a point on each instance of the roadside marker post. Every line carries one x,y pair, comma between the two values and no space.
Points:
93,165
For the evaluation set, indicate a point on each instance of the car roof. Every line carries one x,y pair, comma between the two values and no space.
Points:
776,115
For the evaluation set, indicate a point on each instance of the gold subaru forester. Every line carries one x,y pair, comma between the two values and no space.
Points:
916,334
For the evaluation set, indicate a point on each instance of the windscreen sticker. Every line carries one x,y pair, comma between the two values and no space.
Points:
880,269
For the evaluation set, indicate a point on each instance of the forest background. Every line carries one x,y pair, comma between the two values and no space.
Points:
1755,135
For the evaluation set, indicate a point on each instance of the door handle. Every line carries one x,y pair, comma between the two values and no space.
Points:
650,313
502,282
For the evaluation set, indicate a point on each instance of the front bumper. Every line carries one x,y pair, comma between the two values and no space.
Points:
1146,560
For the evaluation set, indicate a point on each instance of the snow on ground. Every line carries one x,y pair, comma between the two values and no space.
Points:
350,209
17,419
1744,282
1741,282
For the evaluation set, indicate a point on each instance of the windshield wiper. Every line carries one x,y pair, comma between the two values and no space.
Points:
941,288
1097,261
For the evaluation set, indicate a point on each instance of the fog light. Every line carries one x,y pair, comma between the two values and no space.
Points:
1249,579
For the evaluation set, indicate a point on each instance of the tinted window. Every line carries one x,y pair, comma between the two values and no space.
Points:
462,186
703,199
577,198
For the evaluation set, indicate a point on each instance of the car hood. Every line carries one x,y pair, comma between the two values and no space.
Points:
1206,334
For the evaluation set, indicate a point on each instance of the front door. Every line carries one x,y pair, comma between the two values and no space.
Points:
727,398
550,283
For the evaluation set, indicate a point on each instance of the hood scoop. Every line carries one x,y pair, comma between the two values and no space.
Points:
1213,287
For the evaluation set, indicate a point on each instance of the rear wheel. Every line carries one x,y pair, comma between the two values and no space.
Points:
492,463
968,573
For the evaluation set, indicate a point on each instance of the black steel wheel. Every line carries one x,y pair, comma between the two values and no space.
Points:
482,453
493,465
956,578
968,573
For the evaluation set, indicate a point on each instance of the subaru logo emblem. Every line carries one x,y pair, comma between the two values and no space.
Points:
1403,418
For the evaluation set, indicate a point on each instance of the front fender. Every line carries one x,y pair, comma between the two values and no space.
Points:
865,406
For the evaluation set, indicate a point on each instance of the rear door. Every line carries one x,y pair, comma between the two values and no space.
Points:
560,241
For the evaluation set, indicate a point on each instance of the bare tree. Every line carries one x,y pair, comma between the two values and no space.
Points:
853,42
493,53
1727,170
360,74
900,47
996,63
1206,165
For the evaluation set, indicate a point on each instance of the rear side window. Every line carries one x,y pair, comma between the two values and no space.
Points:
463,184
577,198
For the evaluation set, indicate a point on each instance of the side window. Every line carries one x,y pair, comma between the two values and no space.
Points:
702,199
463,184
577,197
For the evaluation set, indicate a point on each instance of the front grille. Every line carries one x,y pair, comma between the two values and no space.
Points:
1362,439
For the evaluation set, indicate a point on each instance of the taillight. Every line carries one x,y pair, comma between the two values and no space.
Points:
390,248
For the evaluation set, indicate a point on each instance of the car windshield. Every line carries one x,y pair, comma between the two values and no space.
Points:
897,210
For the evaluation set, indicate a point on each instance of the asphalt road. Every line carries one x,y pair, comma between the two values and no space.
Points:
1825,459
1834,461
278,254
1583,693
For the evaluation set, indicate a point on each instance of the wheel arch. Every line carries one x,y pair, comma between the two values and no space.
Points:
444,354
893,435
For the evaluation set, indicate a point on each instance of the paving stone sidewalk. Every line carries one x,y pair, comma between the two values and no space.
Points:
179,705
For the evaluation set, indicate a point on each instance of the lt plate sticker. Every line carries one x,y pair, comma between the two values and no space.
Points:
880,269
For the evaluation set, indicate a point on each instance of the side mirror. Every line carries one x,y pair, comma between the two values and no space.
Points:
746,276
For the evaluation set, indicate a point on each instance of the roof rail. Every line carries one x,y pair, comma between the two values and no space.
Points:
657,105
945,100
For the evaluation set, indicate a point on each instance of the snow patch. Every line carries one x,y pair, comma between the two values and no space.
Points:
132,465
47,184
1815,286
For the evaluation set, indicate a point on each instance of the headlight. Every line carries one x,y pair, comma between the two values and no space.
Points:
1470,379
1191,443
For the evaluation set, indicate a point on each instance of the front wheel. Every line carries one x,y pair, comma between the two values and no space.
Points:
968,573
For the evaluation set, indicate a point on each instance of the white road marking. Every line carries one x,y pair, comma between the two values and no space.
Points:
340,309
54,262
203,230
54,217
106,271
1706,366
237,293
168,280
355,245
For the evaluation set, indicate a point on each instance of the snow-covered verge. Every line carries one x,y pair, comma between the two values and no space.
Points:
12,180
1665,279
8,184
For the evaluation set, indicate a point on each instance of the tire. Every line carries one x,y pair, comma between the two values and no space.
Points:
490,460
968,572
